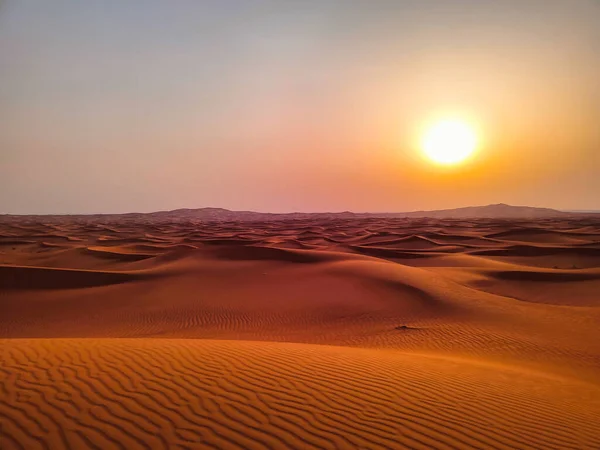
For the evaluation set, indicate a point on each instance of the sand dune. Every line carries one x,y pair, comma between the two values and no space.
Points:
311,333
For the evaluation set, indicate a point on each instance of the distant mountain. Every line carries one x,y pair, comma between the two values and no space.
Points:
498,211
220,214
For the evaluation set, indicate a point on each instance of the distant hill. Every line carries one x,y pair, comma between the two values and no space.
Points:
220,214
497,211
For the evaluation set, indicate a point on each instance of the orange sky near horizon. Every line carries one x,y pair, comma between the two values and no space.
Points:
296,106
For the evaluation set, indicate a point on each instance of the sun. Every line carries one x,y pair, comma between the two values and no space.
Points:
449,142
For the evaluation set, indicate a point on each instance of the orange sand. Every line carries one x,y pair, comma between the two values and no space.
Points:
358,333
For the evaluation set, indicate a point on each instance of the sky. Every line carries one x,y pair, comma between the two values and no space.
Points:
295,105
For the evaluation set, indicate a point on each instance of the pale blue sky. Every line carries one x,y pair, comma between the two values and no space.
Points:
313,105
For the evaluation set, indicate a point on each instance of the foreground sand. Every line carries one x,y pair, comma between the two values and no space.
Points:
301,334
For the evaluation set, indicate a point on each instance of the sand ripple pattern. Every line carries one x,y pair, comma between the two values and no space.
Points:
155,393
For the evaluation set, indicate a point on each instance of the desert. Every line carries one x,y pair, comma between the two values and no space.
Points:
300,225
312,332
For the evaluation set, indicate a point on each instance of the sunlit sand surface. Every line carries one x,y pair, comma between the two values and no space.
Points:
335,334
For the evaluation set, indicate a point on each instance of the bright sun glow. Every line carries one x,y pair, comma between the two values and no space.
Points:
449,142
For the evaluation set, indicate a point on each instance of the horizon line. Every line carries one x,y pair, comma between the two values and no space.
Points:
295,212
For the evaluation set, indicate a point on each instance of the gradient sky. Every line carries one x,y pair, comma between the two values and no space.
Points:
308,105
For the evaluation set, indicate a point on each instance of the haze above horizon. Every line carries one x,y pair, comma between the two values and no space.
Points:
302,106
